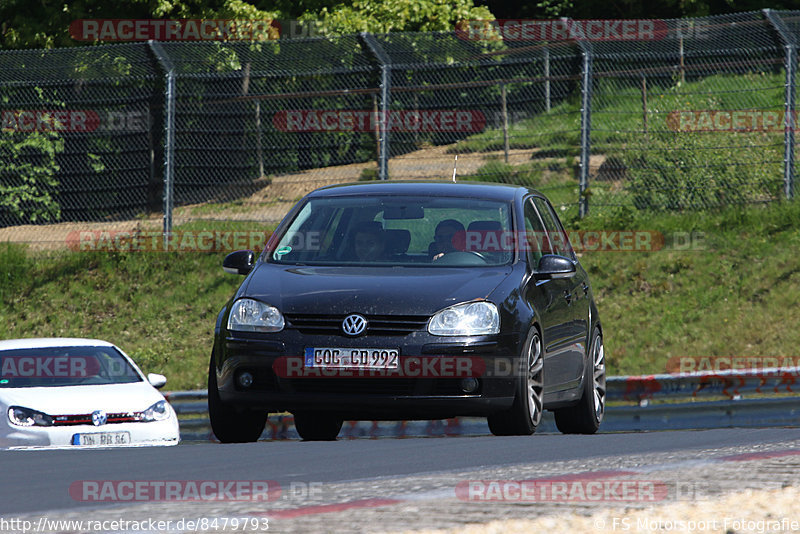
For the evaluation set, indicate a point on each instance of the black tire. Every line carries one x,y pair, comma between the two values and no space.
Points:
315,426
585,417
229,424
526,413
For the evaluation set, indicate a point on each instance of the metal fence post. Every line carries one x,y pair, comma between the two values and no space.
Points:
504,111
546,79
169,137
586,126
386,74
789,123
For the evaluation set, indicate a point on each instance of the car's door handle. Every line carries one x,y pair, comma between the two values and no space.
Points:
585,288
568,296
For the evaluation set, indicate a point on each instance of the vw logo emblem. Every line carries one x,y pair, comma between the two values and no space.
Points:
99,417
354,325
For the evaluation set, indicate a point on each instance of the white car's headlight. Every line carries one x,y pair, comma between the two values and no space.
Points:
469,319
253,316
157,412
26,417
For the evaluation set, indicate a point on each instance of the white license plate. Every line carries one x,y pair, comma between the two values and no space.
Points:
349,358
102,438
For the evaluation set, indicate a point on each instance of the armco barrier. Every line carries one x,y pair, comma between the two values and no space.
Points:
730,383
192,408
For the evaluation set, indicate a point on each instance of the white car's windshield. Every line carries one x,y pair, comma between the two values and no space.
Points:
397,230
64,366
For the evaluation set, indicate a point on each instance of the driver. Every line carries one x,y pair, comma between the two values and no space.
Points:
443,238
370,242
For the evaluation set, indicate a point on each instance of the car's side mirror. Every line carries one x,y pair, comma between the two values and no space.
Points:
553,266
239,262
157,381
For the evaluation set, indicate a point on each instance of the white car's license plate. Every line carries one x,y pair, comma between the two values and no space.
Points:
102,438
349,358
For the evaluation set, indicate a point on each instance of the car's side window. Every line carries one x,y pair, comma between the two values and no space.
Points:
535,236
558,237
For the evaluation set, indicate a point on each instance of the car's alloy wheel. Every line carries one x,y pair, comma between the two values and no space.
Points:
526,413
585,417
315,426
229,424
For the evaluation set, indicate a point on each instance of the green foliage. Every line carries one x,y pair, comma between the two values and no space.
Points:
496,170
382,16
30,157
714,289
369,174
697,170
15,271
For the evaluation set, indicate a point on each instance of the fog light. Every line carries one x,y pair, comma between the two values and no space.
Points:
245,379
469,385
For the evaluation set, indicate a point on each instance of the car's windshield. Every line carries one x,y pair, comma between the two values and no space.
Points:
64,366
397,230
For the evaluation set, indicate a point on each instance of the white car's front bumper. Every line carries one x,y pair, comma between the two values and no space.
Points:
164,432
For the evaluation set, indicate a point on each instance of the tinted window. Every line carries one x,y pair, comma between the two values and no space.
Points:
397,230
64,366
557,236
536,237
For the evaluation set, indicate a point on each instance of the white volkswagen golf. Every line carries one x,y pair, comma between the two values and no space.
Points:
66,392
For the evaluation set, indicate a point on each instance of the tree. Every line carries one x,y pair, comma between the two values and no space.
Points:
382,16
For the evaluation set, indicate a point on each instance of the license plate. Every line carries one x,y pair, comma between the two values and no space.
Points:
102,438
349,358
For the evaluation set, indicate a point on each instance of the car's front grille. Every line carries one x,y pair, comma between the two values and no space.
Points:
377,325
86,419
378,386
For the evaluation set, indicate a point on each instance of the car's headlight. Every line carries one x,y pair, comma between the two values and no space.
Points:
157,412
26,417
470,319
253,316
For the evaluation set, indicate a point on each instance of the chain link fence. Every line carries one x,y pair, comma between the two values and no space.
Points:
690,114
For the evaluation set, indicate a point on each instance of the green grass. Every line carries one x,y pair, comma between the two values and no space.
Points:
660,166
737,295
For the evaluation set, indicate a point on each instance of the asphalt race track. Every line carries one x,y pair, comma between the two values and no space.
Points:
39,480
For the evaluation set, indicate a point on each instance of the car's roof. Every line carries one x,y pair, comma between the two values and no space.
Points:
44,342
489,191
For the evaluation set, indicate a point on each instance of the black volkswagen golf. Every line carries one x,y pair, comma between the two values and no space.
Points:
399,300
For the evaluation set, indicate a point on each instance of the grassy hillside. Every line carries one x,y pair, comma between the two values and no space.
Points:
738,295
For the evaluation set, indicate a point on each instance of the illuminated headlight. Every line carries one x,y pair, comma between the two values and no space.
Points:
252,316
157,412
470,319
26,417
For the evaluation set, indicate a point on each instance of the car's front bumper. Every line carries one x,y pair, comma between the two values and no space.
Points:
151,433
431,391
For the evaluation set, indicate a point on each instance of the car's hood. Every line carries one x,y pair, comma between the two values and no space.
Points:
73,400
376,290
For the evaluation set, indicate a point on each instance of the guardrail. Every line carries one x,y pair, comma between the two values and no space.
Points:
731,383
734,411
